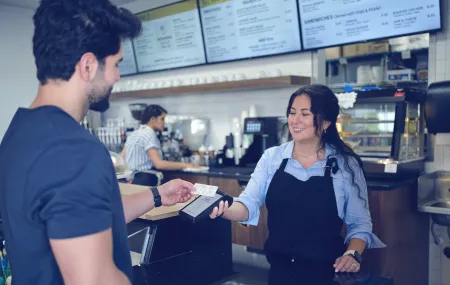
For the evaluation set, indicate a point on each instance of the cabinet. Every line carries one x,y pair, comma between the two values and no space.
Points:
395,220
250,236
193,178
404,230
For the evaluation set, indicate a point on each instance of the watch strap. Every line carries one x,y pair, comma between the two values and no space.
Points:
156,197
351,251
355,254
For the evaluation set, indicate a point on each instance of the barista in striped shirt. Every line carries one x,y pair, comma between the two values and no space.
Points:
143,149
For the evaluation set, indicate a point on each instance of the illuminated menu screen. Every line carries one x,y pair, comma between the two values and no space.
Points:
128,64
237,29
171,38
336,22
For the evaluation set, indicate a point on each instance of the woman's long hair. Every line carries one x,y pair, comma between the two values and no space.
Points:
325,107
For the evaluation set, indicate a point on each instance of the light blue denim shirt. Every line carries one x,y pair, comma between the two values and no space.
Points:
351,208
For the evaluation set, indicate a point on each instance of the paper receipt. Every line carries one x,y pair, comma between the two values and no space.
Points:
205,190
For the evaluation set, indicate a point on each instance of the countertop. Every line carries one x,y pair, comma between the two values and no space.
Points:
155,214
243,174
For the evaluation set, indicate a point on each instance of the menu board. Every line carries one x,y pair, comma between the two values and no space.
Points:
171,38
335,22
128,65
237,29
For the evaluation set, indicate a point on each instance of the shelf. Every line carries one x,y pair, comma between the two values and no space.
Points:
374,56
250,84
369,136
374,148
370,122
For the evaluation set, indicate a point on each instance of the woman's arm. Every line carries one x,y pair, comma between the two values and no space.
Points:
161,164
357,244
357,219
356,214
245,208
238,212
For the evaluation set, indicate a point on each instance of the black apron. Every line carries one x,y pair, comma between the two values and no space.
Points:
304,228
145,179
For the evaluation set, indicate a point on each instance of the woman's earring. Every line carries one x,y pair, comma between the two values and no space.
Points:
325,131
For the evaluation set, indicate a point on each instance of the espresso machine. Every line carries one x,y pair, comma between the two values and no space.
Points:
267,132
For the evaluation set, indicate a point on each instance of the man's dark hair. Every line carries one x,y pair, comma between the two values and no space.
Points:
152,111
67,29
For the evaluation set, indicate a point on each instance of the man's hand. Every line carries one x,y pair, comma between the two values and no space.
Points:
175,191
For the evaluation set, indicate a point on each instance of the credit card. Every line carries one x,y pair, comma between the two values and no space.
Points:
205,190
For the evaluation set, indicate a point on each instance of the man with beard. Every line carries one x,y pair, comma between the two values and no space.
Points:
64,218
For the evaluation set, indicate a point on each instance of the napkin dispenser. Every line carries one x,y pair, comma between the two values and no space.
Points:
437,106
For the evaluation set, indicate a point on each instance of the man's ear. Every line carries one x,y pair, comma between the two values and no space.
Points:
88,66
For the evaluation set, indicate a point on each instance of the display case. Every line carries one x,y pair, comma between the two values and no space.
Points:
386,129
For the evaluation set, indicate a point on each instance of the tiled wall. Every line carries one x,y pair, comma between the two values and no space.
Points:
220,108
439,70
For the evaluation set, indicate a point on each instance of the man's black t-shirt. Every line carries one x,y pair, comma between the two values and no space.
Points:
57,181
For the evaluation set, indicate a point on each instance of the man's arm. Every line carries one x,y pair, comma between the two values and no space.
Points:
135,205
172,192
88,260
75,205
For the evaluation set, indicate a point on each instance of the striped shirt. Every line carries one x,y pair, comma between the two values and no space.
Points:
136,147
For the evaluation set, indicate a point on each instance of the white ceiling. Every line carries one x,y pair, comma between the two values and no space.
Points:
32,4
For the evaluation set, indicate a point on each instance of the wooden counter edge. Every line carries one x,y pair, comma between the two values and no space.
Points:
155,214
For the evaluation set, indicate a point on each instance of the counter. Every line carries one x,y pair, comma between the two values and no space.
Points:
393,207
200,253
171,251
156,213
243,174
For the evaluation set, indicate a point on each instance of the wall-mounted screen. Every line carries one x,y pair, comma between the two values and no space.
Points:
128,64
171,38
238,29
337,22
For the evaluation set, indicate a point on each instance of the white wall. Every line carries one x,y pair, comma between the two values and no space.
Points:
18,83
439,70
220,108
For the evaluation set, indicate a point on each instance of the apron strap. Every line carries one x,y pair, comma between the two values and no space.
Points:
331,166
283,164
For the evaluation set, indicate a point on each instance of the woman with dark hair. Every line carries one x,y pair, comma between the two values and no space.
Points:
312,186
142,149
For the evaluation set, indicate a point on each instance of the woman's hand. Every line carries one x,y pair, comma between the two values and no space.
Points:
192,165
346,263
218,211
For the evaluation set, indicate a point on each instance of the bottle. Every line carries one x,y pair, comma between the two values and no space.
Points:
2,277
211,153
85,123
237,134
5,264
202,153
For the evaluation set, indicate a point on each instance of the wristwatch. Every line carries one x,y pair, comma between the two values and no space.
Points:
156,196
356,255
